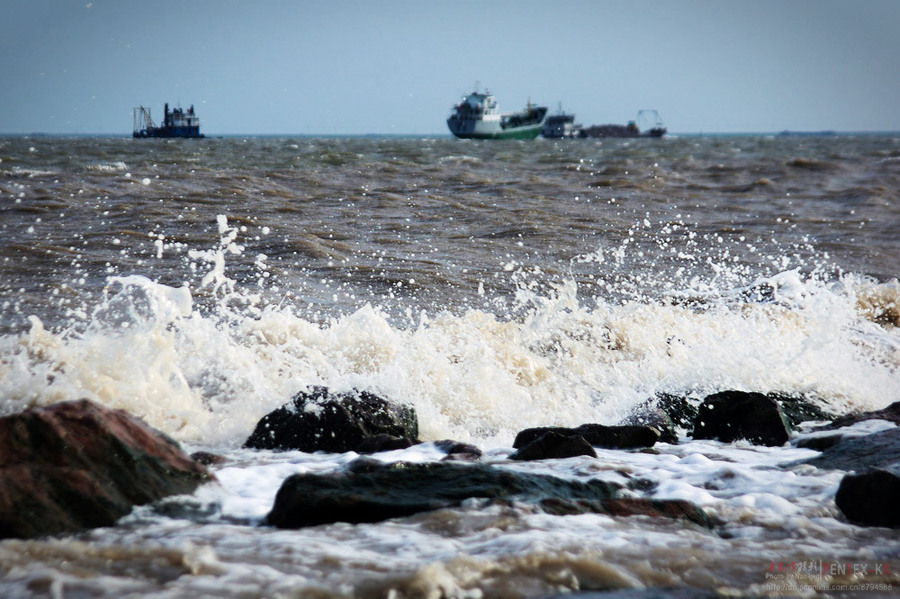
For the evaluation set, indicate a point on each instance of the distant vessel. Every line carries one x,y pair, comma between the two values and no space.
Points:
176,123
630,130
560,125
478,117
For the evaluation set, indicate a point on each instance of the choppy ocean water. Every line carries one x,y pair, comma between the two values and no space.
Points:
495,286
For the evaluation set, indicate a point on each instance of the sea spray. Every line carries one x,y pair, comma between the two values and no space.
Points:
561,358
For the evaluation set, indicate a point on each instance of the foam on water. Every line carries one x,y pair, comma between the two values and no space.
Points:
563,357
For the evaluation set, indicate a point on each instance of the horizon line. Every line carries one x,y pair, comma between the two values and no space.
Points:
783,132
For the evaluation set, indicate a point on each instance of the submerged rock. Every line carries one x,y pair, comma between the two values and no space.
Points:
372,492
78,465
319,420
597,435
819,443
861,453
457,450
872,497
383,442
677,509
732,415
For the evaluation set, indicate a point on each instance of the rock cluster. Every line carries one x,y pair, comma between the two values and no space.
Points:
78,465
870,493
727,417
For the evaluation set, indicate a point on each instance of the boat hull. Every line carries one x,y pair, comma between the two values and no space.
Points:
169,132
526,124
474,132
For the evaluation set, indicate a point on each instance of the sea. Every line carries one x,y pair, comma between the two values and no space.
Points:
494,286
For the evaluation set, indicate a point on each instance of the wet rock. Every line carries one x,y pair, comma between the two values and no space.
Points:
800,409
597,435
667,414
372,492
732,415
890,413
819,443
78,465
207,459
679,410
671,509
319,420
555,445
383,442
860,453
677,509
459,451
872,497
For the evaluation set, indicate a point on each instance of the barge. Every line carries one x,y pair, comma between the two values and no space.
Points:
176,123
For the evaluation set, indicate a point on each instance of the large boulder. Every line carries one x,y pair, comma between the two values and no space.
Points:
597,435
371,492
732,415
78,465
319,420
872,497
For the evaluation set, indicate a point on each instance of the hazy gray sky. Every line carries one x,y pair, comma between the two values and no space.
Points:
397,66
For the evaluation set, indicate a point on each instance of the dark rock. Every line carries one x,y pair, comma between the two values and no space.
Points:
529,435
371,492
679,409
872,497
890,413
819,443
677,509
597,435
860,453
555,445
665,413
459,451
318,420
618,437
732,415
800,409
78,465
559,506
383,442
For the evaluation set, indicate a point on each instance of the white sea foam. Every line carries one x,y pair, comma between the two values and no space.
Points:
108,167
476,376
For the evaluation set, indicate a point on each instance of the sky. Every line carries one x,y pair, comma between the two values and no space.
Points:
348,67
